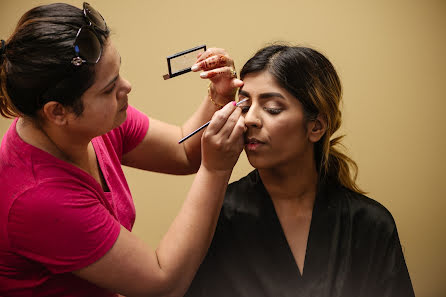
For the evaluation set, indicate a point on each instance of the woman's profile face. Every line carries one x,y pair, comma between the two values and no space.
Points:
105,102
276,134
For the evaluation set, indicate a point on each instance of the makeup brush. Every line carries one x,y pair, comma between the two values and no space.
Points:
205,125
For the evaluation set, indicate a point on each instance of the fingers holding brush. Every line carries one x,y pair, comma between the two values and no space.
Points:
222,141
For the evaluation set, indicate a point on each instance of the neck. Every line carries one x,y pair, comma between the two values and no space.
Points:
56,142
292,186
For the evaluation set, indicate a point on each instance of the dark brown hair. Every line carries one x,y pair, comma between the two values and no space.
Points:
311,78
36,68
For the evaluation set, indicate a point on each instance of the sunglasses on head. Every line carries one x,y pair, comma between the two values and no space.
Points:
87,46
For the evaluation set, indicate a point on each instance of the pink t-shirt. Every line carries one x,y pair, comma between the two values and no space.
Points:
55,218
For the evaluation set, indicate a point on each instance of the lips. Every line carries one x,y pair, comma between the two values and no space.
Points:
252,144
252,140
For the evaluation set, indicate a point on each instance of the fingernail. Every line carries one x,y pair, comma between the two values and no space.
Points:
234,103
203,74
194,67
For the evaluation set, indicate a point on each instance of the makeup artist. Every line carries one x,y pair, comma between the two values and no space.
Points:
66,211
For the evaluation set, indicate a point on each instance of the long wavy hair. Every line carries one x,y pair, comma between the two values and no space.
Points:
311,78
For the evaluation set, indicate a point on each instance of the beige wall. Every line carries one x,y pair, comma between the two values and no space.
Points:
391,59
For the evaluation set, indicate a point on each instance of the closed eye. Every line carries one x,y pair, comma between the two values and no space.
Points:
273,110
108,91
244,108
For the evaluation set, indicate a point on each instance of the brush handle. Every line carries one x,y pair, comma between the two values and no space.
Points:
195,132
205,125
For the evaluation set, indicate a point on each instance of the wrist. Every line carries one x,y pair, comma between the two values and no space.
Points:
216,99
224,173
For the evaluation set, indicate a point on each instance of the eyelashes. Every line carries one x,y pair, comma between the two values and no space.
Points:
267,109
111,89
244,109
273,110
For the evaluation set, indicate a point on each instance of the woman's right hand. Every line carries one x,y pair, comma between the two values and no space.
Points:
222,142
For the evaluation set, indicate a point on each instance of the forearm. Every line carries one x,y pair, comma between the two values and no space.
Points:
185,244
159,151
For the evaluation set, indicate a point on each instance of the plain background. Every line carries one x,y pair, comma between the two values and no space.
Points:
390,56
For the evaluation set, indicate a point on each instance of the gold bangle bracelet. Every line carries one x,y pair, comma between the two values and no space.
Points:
212,100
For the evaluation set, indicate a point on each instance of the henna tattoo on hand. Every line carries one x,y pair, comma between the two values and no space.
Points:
214,73
214,61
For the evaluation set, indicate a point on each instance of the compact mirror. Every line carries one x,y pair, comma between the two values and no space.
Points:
181,62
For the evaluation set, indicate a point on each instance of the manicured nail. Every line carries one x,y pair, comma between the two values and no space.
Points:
194,67
234,103
203,74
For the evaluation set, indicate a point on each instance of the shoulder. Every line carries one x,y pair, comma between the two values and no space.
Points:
365,211
245,196
35,173
247,184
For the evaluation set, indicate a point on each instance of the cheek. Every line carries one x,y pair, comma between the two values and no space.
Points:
102,111
287,134
282,128
106,105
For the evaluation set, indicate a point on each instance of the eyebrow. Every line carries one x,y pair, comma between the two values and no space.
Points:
114,79
263,95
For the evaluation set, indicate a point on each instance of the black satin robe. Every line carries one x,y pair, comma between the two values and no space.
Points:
353,248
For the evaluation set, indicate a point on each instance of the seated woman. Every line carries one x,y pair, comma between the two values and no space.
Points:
299,225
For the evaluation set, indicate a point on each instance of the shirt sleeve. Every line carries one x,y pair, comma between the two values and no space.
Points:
63,226
394,279
127,136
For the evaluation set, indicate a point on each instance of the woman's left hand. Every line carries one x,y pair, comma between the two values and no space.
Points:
218,67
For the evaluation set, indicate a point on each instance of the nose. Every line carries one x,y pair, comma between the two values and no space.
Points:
127,86
124,89
252,117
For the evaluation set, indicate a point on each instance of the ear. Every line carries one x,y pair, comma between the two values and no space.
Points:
55,113
316,128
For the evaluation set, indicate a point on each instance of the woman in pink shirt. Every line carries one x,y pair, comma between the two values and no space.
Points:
66,211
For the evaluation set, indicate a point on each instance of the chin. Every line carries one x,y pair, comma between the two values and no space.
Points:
120,120
259,162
